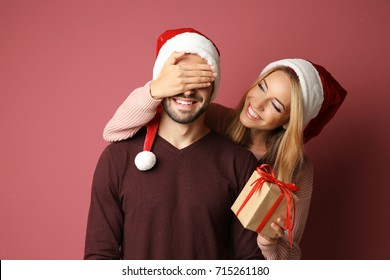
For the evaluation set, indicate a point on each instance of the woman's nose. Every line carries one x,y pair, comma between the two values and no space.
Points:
259,103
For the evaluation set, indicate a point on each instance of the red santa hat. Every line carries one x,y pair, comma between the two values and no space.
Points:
186,40
322,94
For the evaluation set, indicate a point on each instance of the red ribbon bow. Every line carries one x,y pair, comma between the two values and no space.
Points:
267,175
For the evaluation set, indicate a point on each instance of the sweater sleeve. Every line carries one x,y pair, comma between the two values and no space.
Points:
281,249
218,117
105,219
135,112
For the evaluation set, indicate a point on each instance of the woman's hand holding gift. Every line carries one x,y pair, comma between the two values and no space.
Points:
278,227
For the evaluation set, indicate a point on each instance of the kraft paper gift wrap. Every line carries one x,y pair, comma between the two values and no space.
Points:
263,200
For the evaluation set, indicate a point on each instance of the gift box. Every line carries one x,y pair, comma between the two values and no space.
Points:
263,200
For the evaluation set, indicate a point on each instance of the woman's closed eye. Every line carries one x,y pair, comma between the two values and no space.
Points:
262,85
277,106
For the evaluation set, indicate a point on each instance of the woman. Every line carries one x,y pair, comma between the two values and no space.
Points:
287,105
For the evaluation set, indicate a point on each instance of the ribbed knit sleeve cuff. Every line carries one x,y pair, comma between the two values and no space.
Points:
269,252
151,102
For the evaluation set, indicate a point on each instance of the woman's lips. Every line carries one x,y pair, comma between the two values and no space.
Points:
251,113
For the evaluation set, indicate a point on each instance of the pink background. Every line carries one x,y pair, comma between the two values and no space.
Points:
66,65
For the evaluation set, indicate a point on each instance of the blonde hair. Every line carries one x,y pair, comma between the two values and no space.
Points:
284,146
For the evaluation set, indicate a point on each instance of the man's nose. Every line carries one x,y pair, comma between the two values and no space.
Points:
188,93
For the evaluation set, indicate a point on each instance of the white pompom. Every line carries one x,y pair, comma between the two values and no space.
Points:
145,160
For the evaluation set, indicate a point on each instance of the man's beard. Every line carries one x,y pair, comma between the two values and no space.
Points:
185,117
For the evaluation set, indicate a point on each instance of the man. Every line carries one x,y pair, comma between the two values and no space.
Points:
176,206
